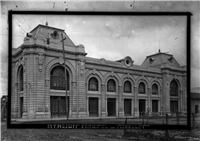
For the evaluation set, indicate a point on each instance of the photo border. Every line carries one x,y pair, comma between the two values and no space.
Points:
96,13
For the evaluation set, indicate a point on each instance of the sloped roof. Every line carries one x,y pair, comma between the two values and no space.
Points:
42,33
156,60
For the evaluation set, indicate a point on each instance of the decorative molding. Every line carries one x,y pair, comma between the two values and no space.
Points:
74,85
103,61
40,61
94,71
120,89
112,73
47,82
61,61
103,87
82,67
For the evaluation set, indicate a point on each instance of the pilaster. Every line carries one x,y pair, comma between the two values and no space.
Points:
120,102
103,100
136,109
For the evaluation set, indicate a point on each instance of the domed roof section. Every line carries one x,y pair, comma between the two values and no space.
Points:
51,37
80,45
156,60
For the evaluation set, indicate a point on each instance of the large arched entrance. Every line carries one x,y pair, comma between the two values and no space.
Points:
174,99
20,90
58,104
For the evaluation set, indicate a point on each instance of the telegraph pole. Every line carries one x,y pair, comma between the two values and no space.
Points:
65,74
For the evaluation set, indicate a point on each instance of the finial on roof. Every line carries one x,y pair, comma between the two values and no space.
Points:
159,51
46,23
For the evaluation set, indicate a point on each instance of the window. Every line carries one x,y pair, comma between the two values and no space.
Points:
173,88
141,88
174,106
58,78
155,89
154,105
111,86
127,87
93,84
21,81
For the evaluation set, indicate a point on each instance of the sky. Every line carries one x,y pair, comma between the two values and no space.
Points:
109,37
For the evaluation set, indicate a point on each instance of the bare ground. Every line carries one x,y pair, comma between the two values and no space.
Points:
96,135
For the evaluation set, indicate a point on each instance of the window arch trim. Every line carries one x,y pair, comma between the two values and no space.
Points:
174,88
57,78
141,89
127,86
155,92
93,86
111,87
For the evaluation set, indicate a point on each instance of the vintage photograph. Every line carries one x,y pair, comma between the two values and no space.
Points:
74,69
133,71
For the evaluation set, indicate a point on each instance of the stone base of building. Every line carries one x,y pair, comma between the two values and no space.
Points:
40,115
25,115
82,115
121,114
74,115
103,114
136,114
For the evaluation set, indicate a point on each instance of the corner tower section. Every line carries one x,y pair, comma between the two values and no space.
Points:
37,90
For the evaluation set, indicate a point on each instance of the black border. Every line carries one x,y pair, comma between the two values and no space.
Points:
95,13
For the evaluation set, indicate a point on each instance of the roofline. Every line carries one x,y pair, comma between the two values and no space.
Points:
46,26
158,54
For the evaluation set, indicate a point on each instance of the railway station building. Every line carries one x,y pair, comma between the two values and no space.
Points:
95,87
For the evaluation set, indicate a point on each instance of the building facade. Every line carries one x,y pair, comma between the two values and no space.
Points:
195,100
95,87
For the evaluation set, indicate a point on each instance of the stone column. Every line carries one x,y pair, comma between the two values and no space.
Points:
136,109
166,92
81,90
103,100
16,101
74,100
120,109
47,98
149,99
161,100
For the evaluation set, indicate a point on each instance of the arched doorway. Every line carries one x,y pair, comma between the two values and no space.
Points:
20,90
58,102
174,89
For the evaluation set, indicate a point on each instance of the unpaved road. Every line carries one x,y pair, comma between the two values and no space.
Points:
94,135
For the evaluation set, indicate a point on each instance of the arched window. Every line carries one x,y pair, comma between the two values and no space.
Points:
141,88
93,84
127,87
111,86
173,88
58,78
21,81
155,89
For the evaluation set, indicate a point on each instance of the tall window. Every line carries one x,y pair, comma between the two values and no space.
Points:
141,88
21,81
127,87
173,88
58,78
93,84
155,89
111,86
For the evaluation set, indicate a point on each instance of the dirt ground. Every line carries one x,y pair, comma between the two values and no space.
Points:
96,135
